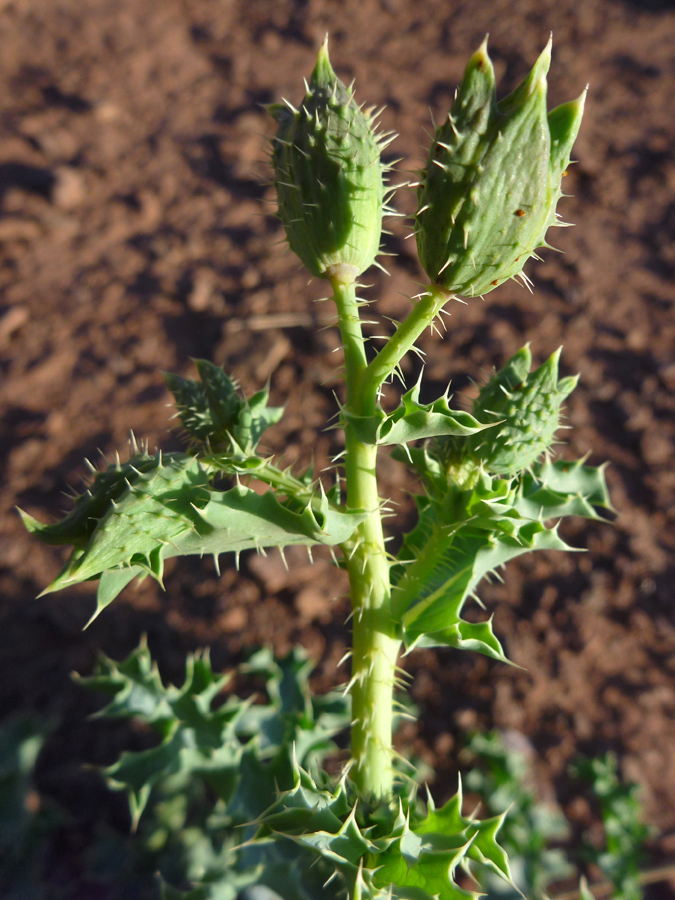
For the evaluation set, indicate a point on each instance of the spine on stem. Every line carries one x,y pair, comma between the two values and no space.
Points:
375,642
330,190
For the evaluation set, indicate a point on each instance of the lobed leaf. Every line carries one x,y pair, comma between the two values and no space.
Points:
467,533
165,507
574,479
391,850
413,421
215,413
242,750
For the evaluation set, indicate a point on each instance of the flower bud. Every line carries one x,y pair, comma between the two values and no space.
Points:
489,191
329,177
528,405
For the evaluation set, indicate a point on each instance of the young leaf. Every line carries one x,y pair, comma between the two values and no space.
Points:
413,421
214,413
574,479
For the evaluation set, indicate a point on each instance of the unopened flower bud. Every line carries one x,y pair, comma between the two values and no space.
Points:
329,177
528,405
492,181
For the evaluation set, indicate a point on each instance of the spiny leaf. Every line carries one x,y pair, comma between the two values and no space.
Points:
464,534
390,848
215,413
484,847
169,509
135,686
195,740
574,479
625,832
106,488
413,421
500,773
294,716
242,750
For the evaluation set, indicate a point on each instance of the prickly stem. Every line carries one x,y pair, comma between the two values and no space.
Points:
403,340
375,643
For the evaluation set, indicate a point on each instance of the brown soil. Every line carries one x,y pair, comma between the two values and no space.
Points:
136,232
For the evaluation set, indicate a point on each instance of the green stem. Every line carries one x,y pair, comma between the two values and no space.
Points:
421,316
375,642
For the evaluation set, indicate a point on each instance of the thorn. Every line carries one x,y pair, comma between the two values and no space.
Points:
449,260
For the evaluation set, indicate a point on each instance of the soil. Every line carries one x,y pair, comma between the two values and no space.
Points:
137,232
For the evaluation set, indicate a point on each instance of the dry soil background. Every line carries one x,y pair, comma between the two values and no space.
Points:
136,232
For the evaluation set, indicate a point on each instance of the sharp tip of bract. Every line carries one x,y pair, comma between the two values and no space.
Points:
323,70
545,55
29,522
541,67
481,57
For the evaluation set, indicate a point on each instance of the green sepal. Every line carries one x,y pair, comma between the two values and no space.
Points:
412,421
214,412
564,122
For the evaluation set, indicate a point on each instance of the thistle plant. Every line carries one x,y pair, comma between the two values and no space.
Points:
491,491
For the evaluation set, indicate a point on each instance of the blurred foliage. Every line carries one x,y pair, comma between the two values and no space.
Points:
218,760
625,831
534,833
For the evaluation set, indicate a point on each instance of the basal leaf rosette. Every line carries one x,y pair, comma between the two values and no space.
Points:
329,177
489,191
395,849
